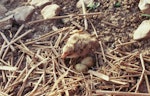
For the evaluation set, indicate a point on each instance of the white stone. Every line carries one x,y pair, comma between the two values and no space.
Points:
143,30
86,2
144,6
50,11
39,3
21,14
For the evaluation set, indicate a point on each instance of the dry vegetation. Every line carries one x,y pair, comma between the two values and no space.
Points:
30,63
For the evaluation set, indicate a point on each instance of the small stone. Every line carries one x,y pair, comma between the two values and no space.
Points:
143,30
22,14
54,28
144,6
6,22
50,11
86,2
65,20
39,3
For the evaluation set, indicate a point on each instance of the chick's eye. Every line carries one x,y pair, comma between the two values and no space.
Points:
75,38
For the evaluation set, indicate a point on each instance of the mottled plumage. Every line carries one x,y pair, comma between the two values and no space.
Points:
78,45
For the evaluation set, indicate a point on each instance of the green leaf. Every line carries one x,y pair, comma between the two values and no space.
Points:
146,15
93,5
117,4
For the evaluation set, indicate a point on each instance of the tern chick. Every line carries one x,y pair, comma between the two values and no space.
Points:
79,45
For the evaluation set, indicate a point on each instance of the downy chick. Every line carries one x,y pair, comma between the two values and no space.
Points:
79,45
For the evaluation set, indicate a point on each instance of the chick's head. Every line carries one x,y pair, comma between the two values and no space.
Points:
68,49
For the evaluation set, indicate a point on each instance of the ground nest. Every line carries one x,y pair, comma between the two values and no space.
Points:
30,63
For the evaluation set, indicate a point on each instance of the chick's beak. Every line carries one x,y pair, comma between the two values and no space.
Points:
64,55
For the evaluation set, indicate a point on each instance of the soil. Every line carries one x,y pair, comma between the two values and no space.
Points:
119,56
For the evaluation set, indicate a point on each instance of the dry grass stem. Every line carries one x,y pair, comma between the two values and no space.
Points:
65,16
111,24
4,37
2,49
103,53
127,43
3,94
98,92
35,88
142,75
100,75
49,34
19,37
58,80
18,31
9,68
84,12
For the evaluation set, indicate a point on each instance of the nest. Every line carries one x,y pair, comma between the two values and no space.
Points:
34,67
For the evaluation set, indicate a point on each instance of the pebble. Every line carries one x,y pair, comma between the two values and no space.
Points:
65,20
22,14
144,6
86,2
50,11
39,3
143,30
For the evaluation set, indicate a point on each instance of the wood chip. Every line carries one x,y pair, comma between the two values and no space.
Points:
9,68
100,75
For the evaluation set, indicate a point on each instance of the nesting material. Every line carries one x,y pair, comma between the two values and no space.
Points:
40,71
79,45
143,31
8,68
86,2
144,6
50,11
39,3
22,14
6,22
